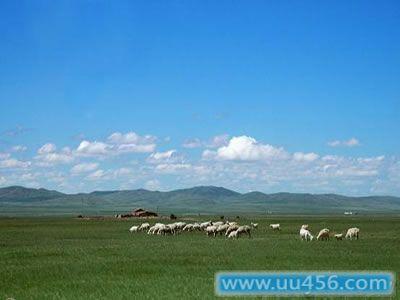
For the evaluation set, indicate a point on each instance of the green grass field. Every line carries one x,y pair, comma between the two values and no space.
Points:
65,258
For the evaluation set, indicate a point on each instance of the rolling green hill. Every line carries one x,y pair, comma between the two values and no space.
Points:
17,200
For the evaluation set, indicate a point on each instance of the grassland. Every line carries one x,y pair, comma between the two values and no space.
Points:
65,258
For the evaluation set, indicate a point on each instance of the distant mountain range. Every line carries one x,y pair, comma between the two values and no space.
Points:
18,200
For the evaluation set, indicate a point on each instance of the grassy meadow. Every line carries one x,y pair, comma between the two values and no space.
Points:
67,258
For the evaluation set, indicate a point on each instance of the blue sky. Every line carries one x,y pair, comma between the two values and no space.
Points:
269,96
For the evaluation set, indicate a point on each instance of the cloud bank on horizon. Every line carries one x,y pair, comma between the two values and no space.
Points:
129,160
249,95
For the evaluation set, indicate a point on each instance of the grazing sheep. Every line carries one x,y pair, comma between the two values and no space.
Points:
338,236
134,229
173,227
222,228
254,225
180,225
163,230
196,226
188,227
233,235
154,229
144,226
353,233
230,229
204,225
323,234
244,229
305,234
231,223
275,226
218,223
211,230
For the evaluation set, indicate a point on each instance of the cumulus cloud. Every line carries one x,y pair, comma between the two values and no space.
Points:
215,142
47,148
169,156
307,157
49,156
118,143
192,143
245,148
4,155
84,167
121,172
93,148
172,168
131,138
12,163
218,141
97,175
346,143
19,148
152,184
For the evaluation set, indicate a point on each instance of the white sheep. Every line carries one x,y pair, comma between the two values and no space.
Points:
231,228
222,228
306,235
231,223
144,226
211,230
275,226
188,227
323,234
233,235
196,226
134,229
244,229
180,225
254,225
154,229
304,226
204,225
218,223
353,233
338,236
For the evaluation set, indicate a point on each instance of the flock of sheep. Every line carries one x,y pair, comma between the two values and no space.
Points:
305,234
233,230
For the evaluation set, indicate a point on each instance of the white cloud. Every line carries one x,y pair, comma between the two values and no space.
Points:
48,156
152,184
245,148
172,168
215,142
12,163
84,167
130,138
47,148
121,172
192,143
92,148
4,155
166,157
307,157
97,175
126,148
3,180
19,148
347,143
219,141
118,143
